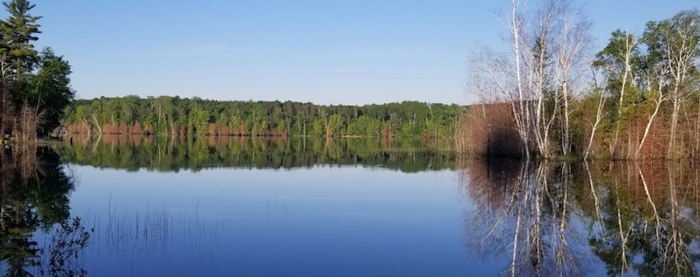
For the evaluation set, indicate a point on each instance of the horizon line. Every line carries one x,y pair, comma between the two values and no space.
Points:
262,100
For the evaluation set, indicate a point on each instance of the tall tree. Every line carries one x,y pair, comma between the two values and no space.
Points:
617,60
17,57
19,30
675,44
51,91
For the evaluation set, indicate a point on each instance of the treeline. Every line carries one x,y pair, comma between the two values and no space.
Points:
167,153
637,98
176,116
34,86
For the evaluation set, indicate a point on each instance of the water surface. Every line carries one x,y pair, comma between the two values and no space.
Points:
352,207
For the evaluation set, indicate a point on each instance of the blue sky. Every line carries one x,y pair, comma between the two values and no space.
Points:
327,52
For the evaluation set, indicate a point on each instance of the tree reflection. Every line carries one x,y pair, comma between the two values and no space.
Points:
195,152
656,219
34,198
555,219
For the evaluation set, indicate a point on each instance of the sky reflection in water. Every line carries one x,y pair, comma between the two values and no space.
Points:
349,208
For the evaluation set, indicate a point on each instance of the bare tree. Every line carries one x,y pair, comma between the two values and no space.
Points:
536,78
598,116
538,52
572,39
680,51
658,100
520,108
630,45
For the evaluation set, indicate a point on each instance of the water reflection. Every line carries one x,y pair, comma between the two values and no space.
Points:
559,219
174,153
525,218
37,234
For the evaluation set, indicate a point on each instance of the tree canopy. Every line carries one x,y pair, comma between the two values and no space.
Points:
179,116
34,85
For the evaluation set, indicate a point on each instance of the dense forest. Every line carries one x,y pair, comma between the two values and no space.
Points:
34,85
167,115
549,96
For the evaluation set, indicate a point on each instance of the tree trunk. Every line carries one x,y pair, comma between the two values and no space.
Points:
649,123
598,117
629,46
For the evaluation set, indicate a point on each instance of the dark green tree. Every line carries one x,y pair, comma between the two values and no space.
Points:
19,31
51,91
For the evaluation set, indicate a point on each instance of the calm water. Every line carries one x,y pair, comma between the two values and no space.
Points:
240,207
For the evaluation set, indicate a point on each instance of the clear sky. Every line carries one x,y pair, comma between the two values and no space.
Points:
323,51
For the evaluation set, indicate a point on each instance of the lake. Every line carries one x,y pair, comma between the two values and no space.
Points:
220,206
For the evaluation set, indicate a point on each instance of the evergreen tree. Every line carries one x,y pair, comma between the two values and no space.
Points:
34,87
19,31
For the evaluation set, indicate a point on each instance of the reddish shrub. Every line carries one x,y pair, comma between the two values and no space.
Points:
489,130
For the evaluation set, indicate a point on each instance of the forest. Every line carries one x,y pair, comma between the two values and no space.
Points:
545,93
37,101
34,85
166,115
551,96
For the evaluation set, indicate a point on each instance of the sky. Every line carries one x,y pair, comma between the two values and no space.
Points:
322,51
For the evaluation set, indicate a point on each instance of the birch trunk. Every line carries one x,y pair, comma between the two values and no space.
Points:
629,46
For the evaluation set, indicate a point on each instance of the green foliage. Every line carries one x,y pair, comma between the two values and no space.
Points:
32,81
406,119
51,86
667,35
649,79
195,153
19,31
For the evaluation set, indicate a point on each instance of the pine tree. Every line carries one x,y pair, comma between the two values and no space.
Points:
19,31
